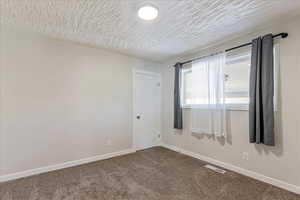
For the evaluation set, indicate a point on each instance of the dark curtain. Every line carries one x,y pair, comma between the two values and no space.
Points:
177,97
261,108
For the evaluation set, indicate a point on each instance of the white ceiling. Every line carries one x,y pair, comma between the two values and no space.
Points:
182,25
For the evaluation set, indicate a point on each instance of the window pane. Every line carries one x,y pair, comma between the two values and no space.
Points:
187,86
237,79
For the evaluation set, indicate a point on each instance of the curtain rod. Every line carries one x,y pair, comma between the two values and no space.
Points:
282,35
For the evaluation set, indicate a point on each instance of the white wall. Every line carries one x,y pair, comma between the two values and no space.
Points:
280,162
62,101
1,83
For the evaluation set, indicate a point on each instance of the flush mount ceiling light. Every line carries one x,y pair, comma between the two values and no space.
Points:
148,12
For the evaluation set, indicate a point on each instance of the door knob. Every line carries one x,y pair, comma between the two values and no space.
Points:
138,117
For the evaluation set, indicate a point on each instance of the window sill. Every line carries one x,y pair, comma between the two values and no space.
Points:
230,107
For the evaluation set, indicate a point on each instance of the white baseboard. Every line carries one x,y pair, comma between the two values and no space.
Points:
37,171
260,177
255,175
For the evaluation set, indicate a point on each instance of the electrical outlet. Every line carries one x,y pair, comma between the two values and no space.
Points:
108,142
245,156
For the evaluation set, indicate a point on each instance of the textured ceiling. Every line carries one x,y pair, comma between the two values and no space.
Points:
182,25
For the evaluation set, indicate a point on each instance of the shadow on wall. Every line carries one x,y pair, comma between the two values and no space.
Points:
221,140
260,148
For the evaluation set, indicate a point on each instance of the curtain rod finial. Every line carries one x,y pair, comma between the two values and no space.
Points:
284,35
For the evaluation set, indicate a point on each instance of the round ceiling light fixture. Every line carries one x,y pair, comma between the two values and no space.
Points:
148,12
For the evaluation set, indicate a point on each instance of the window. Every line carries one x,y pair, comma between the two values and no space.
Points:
236,73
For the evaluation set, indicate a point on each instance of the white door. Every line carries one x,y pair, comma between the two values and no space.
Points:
146,110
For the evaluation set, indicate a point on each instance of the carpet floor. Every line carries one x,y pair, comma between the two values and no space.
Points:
152,174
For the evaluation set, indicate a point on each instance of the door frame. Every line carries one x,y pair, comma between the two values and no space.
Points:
152,74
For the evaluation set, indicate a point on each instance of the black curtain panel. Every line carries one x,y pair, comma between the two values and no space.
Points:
177,97
261,108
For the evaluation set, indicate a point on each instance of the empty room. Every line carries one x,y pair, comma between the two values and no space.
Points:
149,99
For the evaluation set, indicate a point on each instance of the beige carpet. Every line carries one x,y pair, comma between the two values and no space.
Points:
154,174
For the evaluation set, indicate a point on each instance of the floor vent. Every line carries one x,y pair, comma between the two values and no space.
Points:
221,171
